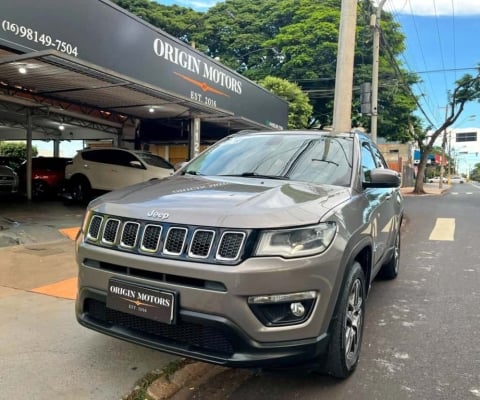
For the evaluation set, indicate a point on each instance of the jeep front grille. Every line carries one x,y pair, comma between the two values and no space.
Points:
167,240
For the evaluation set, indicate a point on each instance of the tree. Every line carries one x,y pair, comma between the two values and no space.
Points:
475,173
16,149
298,41
467,89
180,22
300,109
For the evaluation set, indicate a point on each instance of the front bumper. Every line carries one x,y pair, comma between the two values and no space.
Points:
200,336
214,322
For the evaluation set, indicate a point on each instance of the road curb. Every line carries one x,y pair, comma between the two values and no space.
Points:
183,380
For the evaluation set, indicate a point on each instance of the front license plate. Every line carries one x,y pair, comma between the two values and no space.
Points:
141,301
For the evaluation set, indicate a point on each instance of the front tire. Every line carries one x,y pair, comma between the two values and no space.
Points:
80,190
347,325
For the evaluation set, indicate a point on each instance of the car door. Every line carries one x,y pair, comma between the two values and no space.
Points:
98,165
381,204
128,169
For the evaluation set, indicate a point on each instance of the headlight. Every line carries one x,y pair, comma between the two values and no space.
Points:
297,242
86,221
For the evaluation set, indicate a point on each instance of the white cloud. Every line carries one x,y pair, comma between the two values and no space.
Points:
434,7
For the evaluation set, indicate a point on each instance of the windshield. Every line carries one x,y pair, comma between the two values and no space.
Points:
154,160
309,158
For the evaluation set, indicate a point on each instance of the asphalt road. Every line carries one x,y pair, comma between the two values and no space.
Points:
422,332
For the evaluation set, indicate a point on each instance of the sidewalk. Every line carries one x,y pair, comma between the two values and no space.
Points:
431,189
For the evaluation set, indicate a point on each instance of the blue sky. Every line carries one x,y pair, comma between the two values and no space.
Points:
441,41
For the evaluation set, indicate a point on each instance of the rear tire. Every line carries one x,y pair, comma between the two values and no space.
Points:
40,190
346,329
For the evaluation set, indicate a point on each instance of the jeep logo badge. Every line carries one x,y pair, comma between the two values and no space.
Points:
158,214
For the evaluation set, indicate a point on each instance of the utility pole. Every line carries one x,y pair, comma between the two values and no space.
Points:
375,24
444,143
342,105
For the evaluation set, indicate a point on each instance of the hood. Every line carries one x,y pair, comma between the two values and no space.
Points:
223,201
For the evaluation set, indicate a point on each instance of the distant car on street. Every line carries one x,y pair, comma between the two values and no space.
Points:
436,179
457,179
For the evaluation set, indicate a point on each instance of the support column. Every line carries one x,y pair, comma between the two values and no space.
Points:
29,153
194,138
56,147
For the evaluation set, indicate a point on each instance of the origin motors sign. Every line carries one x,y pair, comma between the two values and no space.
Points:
101,33
197,66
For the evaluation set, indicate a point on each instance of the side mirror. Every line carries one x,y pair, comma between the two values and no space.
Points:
136,164
383,178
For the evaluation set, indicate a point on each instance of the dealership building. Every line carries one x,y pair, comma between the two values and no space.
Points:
89,70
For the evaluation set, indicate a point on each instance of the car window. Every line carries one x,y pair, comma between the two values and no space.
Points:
368,162
95,156
379,160
317,159
123,158
153,159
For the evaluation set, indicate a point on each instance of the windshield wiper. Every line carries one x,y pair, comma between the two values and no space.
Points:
326,161
256,175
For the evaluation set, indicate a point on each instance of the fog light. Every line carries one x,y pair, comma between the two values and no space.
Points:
297,309
283,309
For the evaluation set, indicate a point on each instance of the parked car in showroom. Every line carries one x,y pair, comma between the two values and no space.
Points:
260,252
48,176
11,161
8,181
105,169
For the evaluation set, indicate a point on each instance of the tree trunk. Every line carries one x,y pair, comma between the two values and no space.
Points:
418,189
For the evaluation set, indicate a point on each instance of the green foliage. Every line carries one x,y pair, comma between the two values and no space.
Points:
179,22
16,149
475,173
300,109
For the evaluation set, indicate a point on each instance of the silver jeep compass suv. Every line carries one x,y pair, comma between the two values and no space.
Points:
258,253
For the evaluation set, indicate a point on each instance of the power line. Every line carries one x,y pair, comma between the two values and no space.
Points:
440,45
401,77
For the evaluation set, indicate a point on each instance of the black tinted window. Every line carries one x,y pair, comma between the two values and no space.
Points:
154,160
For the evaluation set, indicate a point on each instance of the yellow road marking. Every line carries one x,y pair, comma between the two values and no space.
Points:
444,229
66,289
71,233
